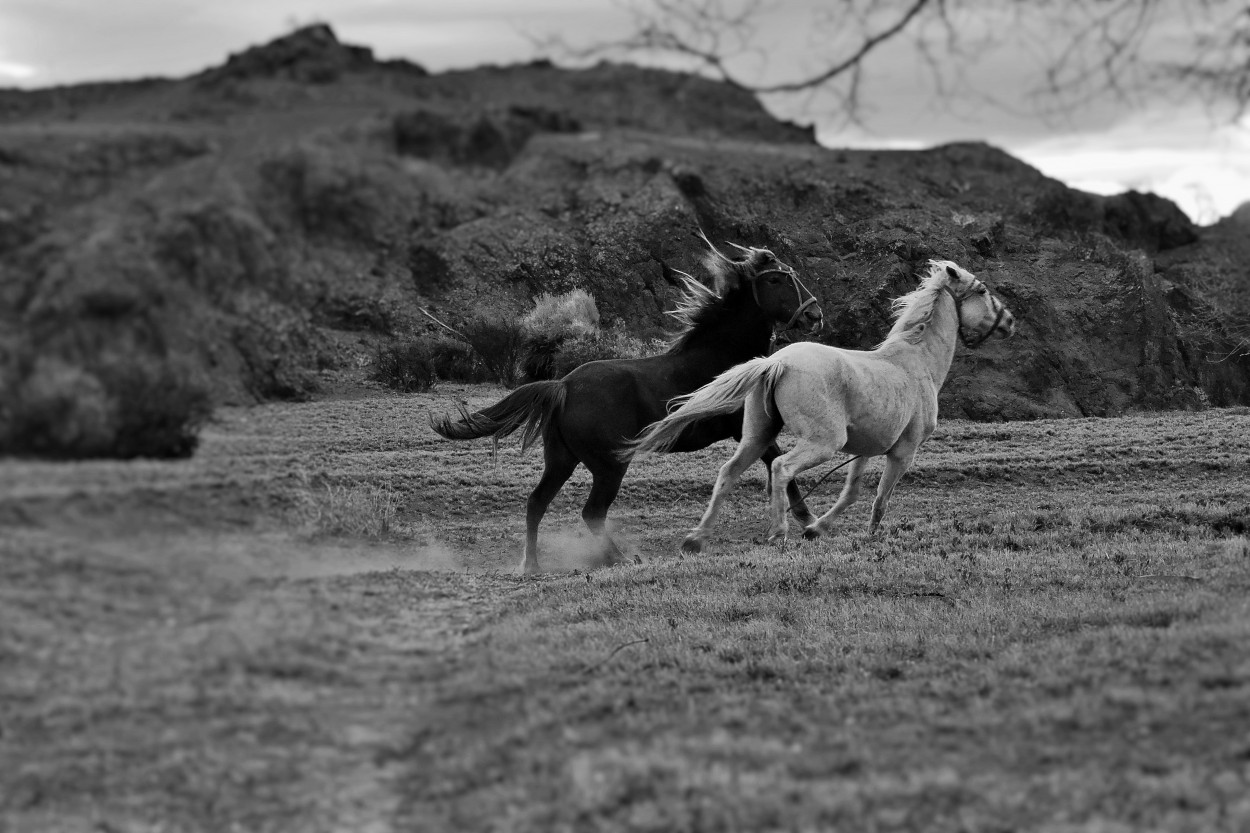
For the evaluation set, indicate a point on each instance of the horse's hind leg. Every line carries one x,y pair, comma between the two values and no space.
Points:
748,452
850,493
603,490
758,433
798,506
558,465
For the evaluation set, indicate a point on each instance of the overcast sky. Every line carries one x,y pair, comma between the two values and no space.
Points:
1175,149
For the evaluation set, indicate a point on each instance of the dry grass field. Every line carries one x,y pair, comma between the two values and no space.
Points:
312,626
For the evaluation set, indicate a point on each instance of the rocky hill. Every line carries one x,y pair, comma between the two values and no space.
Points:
282,214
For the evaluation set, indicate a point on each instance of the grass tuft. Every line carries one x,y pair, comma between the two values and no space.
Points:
354,510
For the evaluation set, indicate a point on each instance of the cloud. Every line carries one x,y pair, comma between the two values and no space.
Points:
16,72
1181,155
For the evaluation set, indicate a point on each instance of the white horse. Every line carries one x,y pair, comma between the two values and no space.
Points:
863,402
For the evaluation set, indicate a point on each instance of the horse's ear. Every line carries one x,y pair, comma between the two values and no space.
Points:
954,273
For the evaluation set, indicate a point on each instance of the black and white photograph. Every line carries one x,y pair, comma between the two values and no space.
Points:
527,416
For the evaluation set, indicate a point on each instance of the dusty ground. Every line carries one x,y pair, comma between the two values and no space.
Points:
312,626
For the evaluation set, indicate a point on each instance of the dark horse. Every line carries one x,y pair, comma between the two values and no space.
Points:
591,414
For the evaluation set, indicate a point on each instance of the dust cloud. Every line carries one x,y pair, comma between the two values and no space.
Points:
236,556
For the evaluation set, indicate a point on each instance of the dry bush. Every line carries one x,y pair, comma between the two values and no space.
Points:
361,510
54,409
572,314
159,406
407,367
416,365
123,408
498,345
455,361
558,325
613,344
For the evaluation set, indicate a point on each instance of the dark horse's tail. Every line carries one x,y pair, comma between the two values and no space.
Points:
530,407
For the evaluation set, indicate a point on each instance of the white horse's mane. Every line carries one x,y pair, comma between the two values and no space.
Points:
916,307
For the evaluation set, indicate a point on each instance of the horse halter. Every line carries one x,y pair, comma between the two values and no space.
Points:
799,289
979,339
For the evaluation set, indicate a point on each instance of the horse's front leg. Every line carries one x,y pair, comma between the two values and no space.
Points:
798,506
803,456
850,493
897,462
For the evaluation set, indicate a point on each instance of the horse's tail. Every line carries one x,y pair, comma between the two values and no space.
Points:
530,407
723,395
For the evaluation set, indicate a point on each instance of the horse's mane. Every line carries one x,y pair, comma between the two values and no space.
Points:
698,305
916,307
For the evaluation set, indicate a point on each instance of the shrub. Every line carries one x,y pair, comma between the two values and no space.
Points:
538,357
159,407
415,365
551,327
455,361
570,315
124,408
497,345
552,358
407,367
54,409
361,510
613,344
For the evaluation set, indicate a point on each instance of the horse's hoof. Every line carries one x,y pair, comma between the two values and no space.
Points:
811,533
692,546
528,567
778,538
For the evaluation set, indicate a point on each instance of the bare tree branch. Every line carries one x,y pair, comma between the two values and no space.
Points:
1083,51
852,61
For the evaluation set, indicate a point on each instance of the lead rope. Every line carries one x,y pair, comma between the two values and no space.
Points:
812,488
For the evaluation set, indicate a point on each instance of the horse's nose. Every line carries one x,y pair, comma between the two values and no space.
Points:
1008,327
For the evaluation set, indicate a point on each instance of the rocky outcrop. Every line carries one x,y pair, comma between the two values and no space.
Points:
310,55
